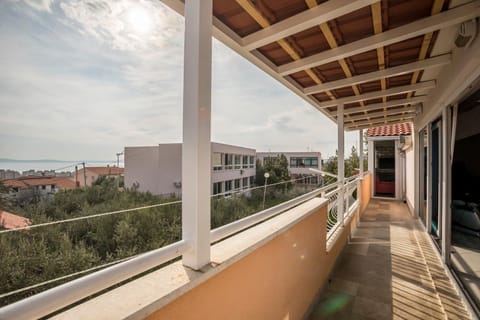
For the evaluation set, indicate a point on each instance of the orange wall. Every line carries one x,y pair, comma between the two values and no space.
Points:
279,280
366,193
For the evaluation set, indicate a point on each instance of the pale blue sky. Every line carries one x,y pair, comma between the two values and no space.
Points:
82,79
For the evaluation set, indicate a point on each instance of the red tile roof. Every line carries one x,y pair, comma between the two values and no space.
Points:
26,182
399,129
11,221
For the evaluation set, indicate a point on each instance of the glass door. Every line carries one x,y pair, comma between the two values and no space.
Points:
435,152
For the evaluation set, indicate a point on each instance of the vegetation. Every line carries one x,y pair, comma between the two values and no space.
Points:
36,255
352,164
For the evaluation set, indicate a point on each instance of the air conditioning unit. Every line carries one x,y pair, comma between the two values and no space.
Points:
466,33
177,184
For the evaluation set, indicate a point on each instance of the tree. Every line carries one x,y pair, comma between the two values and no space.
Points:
277,168
5,202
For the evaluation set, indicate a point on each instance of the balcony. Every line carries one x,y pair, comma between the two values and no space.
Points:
379,264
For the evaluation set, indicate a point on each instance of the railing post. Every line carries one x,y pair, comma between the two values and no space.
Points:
196,148
360,152
341,163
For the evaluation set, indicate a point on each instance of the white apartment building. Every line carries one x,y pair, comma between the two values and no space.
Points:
158,169
299,163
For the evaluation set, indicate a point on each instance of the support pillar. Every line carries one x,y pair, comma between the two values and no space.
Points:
196,147
446,184
341,163
360,147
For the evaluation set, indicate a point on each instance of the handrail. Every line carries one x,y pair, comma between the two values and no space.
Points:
51,300
239,225
54,299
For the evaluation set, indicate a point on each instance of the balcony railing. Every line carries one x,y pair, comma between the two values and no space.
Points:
66,294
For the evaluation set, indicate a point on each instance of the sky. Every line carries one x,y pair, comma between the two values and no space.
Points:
82,79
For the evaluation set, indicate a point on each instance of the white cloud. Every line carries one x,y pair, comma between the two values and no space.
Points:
80,83
125,24
41,5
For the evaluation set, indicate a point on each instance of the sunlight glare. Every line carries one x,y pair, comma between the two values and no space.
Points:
140,19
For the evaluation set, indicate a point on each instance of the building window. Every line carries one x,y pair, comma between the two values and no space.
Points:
245,183
245,162
228,161
228,185
252,161
303,162
217,161
237,184
238,159
252,180
217,187
44,187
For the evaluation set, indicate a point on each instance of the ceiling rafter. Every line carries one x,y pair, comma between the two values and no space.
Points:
381,74
382,113
379,94
376,10
371,122
388,104
302,21
254,12
332,42
427,38
411,30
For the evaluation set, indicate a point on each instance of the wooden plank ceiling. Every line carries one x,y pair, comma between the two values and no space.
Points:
364,53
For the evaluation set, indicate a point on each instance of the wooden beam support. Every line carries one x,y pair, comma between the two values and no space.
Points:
316,15
381,74
378,94
414,29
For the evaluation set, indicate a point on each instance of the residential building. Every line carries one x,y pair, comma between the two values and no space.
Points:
299,164
9,174
87,176
158,169
26,188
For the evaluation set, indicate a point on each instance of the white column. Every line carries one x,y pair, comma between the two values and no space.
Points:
446,184
196,153
418,179
428,214
360,156
341,163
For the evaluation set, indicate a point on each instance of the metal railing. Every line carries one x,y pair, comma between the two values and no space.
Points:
350,204
54,299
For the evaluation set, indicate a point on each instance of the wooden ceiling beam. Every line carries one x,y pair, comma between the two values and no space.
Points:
420,27
378,94
327,11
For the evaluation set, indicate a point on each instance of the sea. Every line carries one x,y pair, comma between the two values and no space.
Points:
57,165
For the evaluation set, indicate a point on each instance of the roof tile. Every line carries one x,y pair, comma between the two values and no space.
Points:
398,129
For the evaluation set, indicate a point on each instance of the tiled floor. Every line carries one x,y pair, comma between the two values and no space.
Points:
389,270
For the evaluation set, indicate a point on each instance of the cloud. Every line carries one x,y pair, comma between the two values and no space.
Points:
125,24
81,83
41,5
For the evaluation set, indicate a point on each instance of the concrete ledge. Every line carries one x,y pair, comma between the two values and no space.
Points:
144,296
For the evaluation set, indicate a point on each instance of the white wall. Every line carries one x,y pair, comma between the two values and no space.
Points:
231,174
410,177
155,169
